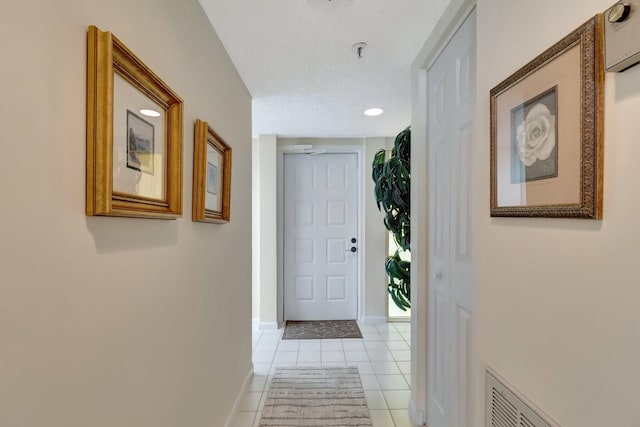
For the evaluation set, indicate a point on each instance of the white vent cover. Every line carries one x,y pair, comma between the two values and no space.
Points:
505,409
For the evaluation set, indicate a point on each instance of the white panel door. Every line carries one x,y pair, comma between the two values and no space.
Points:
451,124
320,237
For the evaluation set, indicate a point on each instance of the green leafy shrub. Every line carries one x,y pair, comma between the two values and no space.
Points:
392,179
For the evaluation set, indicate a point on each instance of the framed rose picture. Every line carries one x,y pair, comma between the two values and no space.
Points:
134,135
211,176
546,132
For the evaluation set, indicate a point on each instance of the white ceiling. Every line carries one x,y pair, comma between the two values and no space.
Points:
296,58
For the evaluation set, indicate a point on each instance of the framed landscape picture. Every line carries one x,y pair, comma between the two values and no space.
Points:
134,135
140,147
546,132
212,179
211,176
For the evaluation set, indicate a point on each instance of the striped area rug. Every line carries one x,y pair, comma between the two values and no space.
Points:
316,397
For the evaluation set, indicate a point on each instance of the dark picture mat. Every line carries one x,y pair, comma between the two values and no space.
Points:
321,329
540,169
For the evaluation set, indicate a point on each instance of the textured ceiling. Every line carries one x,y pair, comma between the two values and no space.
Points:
296,58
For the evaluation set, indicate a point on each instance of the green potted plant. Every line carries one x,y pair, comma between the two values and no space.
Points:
392,187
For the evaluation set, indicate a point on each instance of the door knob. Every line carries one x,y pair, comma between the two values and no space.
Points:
353,240
353,249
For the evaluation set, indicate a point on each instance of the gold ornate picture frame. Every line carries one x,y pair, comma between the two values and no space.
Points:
134,135
546,132
211,176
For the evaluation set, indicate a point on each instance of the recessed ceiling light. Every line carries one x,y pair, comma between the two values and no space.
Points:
149,113
373,111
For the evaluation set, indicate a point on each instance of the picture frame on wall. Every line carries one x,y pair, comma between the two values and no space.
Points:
134,135
211,176
546,132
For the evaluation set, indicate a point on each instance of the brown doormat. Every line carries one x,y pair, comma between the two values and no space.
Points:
321,329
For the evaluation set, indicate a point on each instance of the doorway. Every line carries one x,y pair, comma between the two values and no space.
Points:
451,106
321,243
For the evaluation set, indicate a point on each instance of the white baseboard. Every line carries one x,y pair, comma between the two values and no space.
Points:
374,320
402,319
268,325
231,419
416,417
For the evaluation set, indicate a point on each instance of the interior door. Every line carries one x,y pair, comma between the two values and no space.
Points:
321,245
451,125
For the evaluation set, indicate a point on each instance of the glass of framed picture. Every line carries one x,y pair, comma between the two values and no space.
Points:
134,135
211,176
546,132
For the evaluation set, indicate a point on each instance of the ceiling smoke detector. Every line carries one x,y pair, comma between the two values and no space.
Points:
358,49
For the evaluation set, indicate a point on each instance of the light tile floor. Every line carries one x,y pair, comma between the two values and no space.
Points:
382,357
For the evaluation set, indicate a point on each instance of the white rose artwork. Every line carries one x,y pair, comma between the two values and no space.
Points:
536,135
546,131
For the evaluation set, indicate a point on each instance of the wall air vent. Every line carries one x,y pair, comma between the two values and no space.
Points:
505,408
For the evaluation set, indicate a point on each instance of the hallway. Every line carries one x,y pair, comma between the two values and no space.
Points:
382,357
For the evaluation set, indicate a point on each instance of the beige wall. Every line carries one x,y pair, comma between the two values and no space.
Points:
111,321
255,231
557,300
267,220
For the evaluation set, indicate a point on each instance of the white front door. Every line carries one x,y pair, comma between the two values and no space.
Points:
321,243
451,125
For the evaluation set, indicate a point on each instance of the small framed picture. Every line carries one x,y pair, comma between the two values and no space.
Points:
211,176
546,132
134,135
